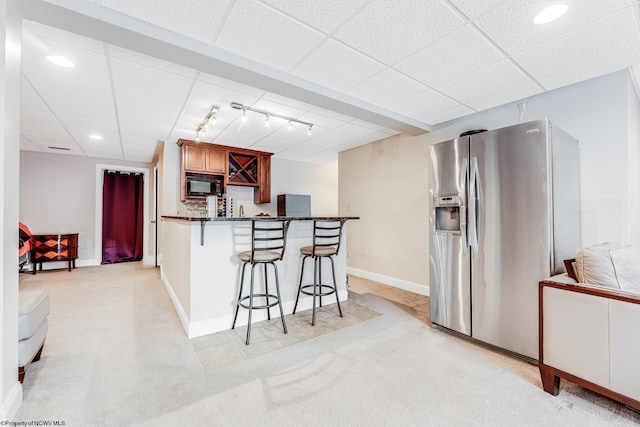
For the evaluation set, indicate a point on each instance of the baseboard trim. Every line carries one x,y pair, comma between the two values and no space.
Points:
391,281
13,402
184,319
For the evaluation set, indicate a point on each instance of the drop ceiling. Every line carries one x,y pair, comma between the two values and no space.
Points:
359,70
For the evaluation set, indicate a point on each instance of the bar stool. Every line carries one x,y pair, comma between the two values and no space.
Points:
326,243
268,240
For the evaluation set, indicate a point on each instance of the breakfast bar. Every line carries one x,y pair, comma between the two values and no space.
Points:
201,271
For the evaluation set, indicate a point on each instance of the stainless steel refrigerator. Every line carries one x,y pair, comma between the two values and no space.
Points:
505,213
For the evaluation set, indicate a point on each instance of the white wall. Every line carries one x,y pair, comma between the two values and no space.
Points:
597,112
58,194
594,112
634,165
10,34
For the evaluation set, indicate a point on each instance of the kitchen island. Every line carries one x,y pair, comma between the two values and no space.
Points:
202,273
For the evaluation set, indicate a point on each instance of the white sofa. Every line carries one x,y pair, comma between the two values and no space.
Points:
588,332
33,309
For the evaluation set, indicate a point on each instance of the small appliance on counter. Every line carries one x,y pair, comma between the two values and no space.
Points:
220,206
296,205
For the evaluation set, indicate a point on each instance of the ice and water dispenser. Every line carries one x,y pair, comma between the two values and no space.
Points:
448,214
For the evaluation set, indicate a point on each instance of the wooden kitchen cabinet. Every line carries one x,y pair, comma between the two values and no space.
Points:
239,166
203,157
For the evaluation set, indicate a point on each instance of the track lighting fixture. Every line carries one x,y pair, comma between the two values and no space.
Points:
268,116
203,127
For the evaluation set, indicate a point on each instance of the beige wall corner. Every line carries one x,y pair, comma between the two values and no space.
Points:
386,184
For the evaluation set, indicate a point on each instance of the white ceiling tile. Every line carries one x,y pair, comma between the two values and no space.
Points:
337,66
272,145
89,67
27,145
321,14
25,86
424,104
331,114
283,100
50,138
386,88
322,158
607,37
447,115
236,138
52,86
199,19
450,57
89,126
593,69
145,121
150,61
274,108
39,119
145,158
230,85
505,97
203,95
62,108
499,77
263,35
473,8
109,141
391,30
35,30
511,25
137,136
368,125
165,110
30,101
135,78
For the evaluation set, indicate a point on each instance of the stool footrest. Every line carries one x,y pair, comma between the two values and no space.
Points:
319,288
259,307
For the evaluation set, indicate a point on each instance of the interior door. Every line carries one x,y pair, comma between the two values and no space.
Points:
449,274
513,222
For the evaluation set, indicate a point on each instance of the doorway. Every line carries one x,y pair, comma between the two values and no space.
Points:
147,259
122,216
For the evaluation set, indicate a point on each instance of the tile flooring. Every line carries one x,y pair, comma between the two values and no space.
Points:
228,347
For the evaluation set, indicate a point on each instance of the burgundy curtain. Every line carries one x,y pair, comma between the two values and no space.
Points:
122,220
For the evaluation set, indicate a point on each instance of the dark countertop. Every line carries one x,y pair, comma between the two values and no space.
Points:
294,218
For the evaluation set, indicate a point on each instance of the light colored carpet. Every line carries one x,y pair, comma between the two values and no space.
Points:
116,354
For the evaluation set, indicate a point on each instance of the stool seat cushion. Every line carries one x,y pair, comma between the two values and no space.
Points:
260,256
33,309
320,250
27,348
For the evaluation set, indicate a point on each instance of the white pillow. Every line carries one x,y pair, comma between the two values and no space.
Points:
613,265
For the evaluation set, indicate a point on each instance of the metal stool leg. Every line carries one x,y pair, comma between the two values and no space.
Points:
266,289
239,296
335,286
250,304
315,289
275,269
300,285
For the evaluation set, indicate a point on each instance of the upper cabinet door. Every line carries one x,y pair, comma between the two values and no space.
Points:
194,158
216,160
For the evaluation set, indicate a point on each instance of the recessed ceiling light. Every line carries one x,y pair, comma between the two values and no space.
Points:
550,14
60,60
96,137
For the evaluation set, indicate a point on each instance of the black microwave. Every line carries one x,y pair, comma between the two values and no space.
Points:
204,185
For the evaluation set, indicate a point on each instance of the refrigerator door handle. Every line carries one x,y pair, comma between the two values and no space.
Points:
464,182
473,193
